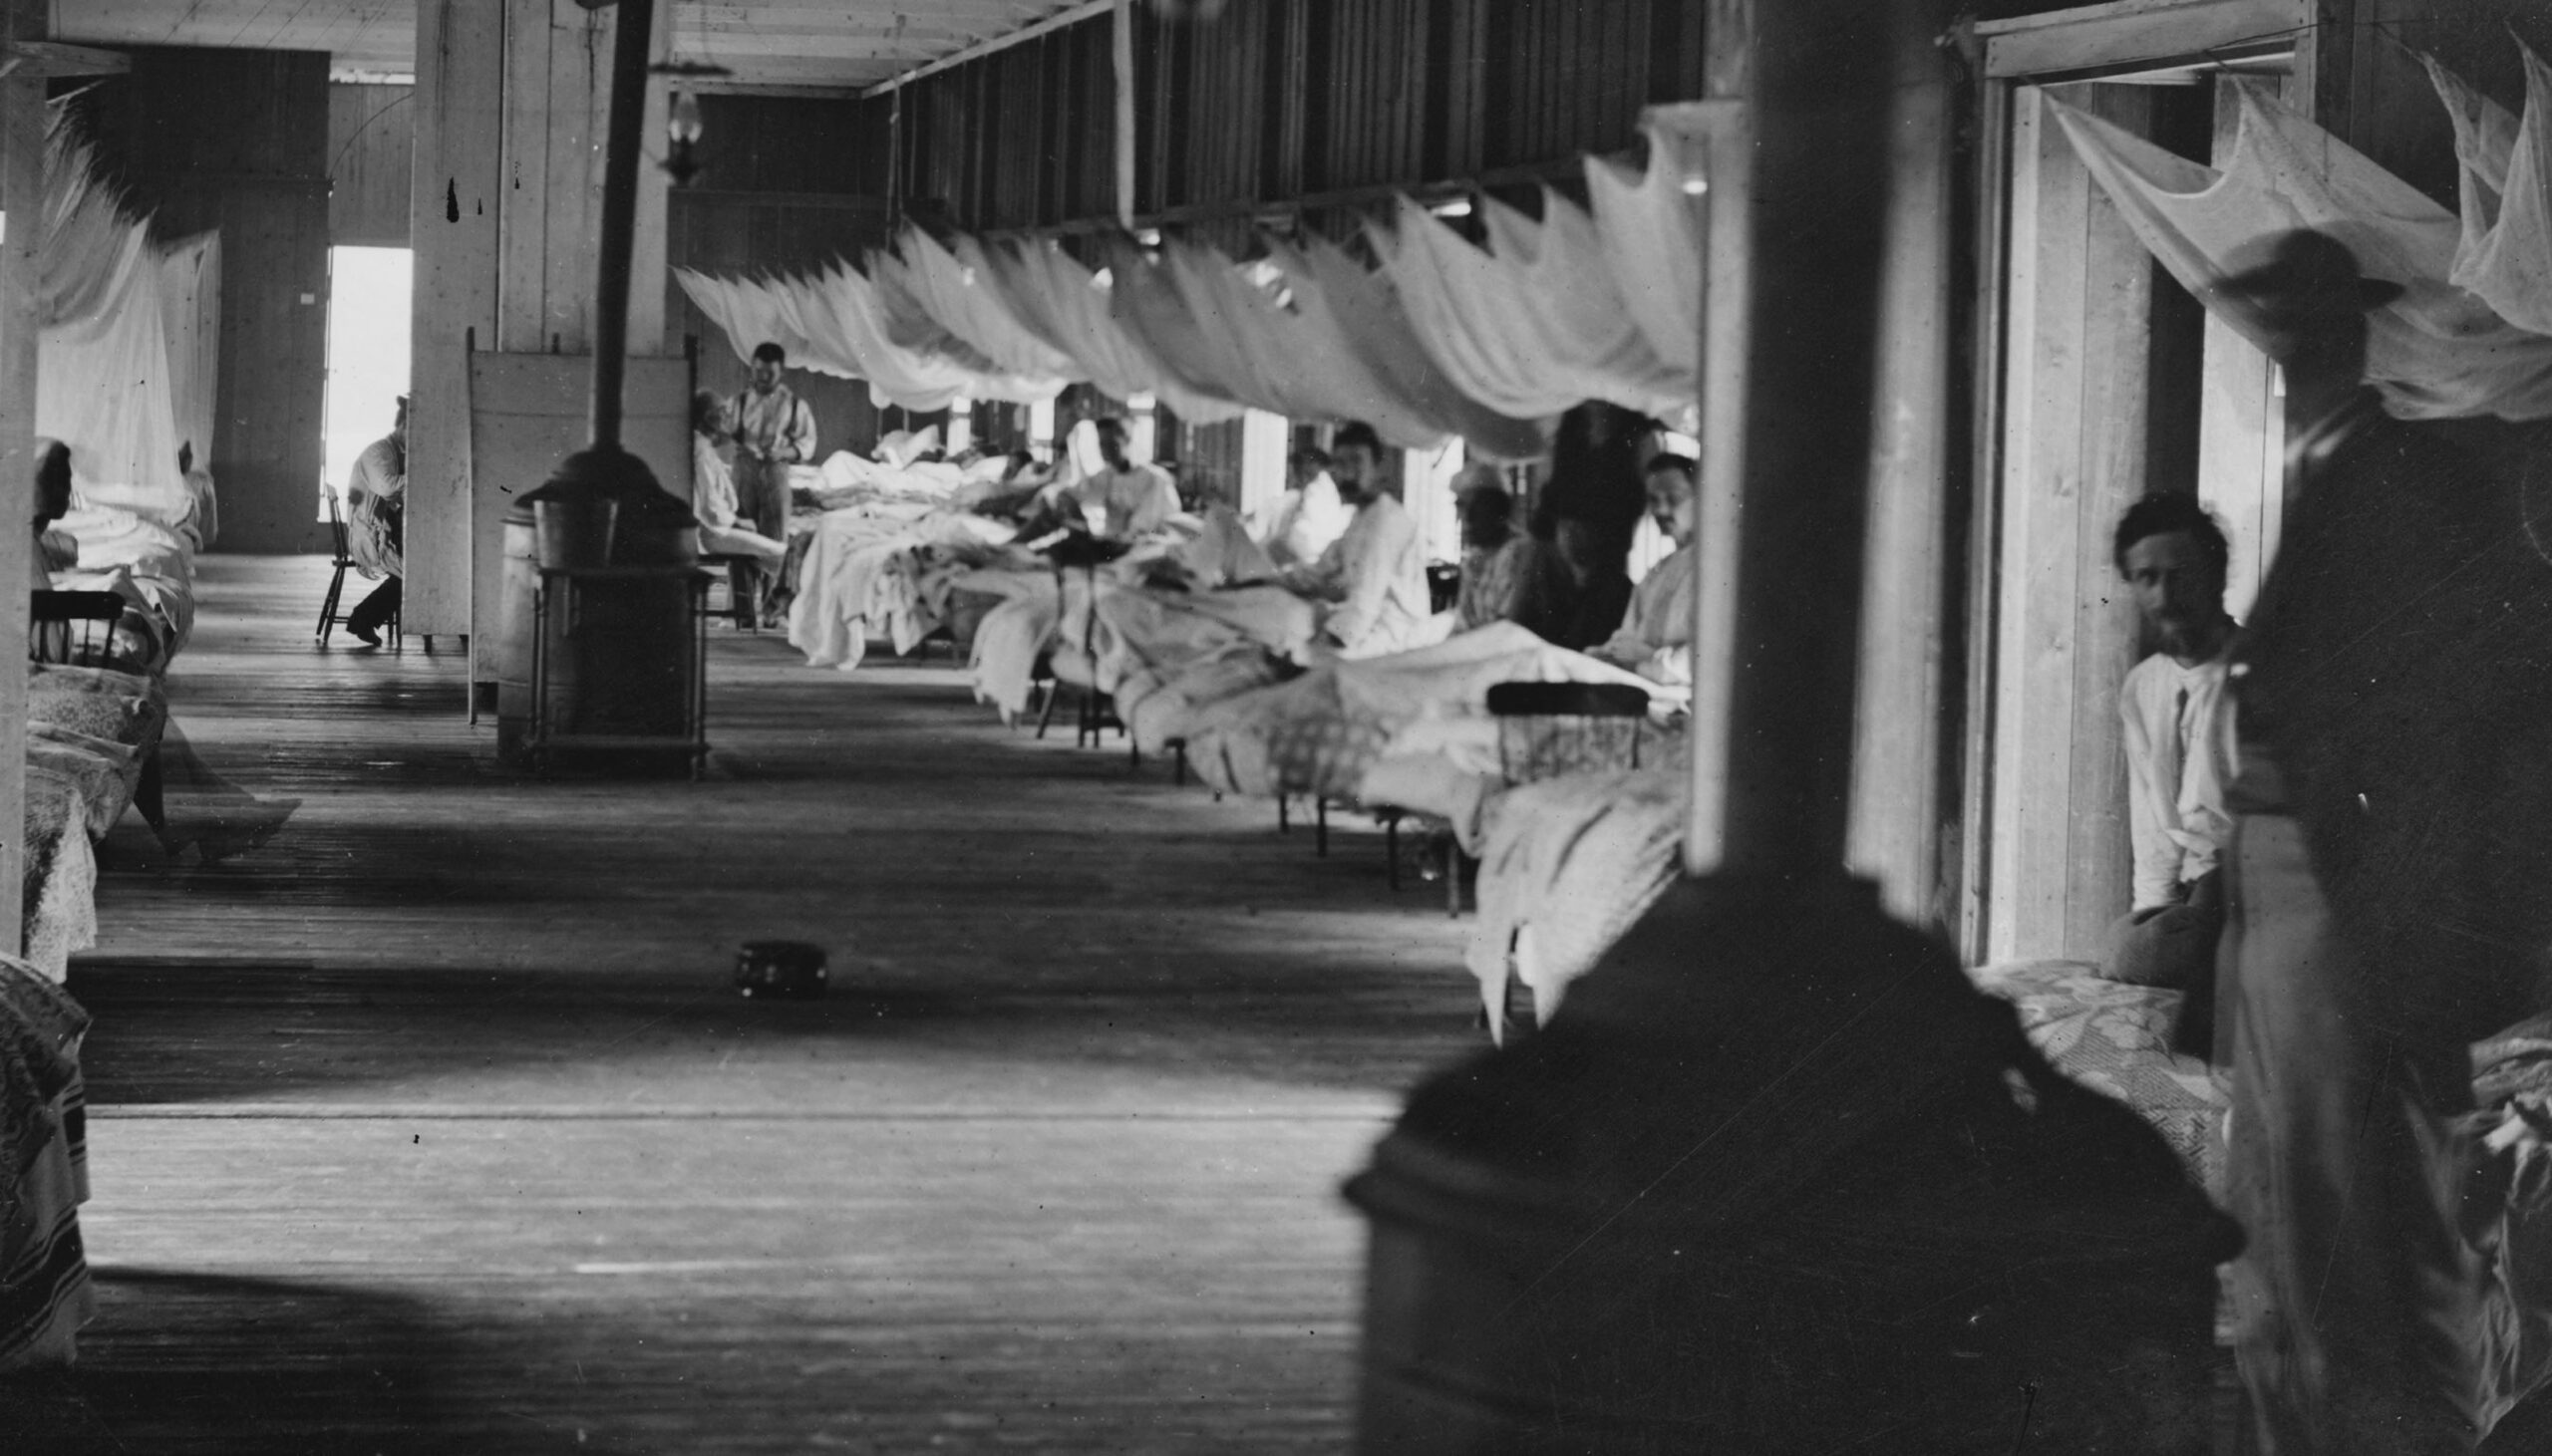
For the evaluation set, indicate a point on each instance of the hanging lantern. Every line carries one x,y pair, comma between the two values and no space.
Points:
683,125
682,133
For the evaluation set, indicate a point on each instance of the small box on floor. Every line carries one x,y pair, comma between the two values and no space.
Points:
791,970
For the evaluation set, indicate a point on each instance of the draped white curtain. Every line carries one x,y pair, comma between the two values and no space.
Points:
108,370
190,318
1443,340
1652,239
2506,255
2439,351
835,323
1054,297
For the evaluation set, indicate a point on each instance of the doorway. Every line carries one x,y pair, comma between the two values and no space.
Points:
367,321
2115,383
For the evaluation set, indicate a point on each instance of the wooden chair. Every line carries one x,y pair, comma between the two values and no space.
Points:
73,627
330,619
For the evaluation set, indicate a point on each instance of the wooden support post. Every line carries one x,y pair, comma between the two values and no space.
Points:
22,194
1817,243
455,202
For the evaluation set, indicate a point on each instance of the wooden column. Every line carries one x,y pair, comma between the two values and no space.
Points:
1817,243
456,201
22,194
1896,818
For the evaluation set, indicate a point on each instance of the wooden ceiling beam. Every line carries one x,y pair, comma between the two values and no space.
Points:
1088,10
50,59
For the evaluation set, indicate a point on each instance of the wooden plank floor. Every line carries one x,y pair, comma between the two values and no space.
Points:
431,1126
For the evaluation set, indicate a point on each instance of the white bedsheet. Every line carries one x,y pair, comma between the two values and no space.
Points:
1566,867
143,561
861,576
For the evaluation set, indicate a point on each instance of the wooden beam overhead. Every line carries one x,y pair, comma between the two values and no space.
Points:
801,44
52,58
1089,10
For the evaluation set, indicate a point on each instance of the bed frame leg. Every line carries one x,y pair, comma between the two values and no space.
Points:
1284,814
1390,851
1320,825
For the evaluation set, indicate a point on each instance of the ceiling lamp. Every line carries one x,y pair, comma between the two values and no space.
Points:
682,118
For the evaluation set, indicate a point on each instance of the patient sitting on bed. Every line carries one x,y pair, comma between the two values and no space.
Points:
1655,635
1375,573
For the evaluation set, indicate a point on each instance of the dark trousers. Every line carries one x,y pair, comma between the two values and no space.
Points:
2356,1301
374,612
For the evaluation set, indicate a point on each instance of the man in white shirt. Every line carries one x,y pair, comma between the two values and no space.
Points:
1374,573
376,503
1122,499
1299,525
2179,745
774,430
1656,636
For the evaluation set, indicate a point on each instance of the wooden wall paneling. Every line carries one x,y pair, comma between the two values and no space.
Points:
522,221
1727,44
238,141
2041,486
1624,76
1499,31
1162,49
1082,123
267,443
1582,78
1675,52
1288,93
371,146
1417,92
579,98
456,208
2077,434
1318,86
766,143
1387,54
2115,326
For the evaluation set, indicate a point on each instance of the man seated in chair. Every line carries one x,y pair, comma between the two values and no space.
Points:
376,500
2176,719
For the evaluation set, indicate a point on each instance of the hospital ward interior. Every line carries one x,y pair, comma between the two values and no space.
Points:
1455,727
